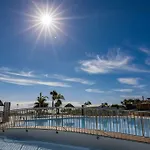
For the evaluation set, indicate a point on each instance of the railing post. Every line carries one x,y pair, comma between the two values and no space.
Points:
119,121
142,125
49,111
82,110
26,120
62,118
109,120
14,118
128,113
97,125
135,123
56,122
35,116
96,122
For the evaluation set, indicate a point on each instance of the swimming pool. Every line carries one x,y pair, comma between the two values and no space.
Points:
18,144
134,126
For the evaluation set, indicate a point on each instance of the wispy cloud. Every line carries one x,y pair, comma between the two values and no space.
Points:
94,91
130,81
147,61
123,90
144,50
25,82
22,73
3,75
24,78
140,86
70,79
2,69
113,61
145,92
131,96
8,71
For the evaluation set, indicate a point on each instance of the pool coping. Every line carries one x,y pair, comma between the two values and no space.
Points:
97,133
71,138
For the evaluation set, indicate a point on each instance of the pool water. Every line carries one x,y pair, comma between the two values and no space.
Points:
14,144
134,126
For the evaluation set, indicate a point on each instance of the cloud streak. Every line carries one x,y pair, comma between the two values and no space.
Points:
144,50
147,61
129,81
94,91
27,82
123,90
130,96
24,78
22,73
8,71
140,86
69,79
113,61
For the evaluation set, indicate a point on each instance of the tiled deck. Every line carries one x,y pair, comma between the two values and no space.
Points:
9,144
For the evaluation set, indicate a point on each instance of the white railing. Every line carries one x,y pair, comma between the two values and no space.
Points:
96,121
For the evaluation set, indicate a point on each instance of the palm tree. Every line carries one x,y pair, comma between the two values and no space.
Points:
56,99
17,106
58,102
106,104
88,103
54,96
124,102
41,101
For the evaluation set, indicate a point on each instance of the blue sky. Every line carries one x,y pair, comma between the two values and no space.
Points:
98,51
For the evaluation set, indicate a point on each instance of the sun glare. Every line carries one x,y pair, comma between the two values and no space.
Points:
46,20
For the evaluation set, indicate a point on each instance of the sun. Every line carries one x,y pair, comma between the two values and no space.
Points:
46,20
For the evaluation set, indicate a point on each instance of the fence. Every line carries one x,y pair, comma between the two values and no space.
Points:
130,125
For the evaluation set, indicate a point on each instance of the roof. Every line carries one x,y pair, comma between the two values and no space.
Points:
1,103
69,105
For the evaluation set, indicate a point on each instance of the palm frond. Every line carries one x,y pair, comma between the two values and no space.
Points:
41,101
60,96
58,103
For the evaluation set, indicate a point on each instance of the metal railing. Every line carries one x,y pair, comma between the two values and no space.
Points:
131,125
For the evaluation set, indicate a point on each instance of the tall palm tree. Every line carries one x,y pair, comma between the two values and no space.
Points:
59,97
59,102
54,96
56,99
41,101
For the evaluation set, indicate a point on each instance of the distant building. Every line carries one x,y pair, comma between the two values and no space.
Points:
6,111
143,106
